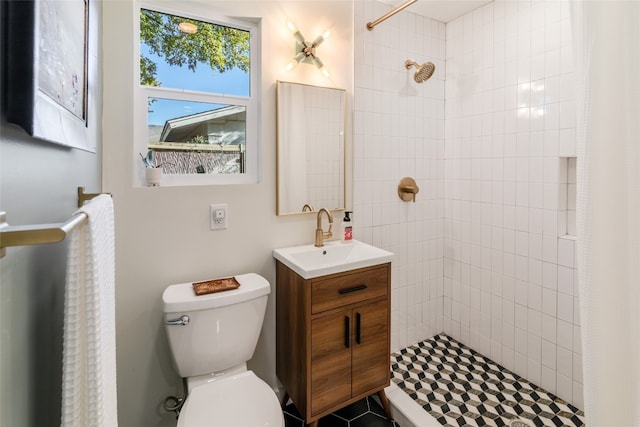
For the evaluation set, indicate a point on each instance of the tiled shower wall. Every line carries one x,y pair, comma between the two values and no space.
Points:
399,132
480,255
510,284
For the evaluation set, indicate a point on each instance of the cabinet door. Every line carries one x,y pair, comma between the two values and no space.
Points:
330,361
370,356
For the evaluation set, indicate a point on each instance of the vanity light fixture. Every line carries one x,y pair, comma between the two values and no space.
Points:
305,50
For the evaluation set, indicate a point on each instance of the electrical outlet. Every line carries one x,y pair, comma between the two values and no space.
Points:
218,216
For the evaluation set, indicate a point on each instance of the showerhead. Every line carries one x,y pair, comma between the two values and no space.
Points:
423,71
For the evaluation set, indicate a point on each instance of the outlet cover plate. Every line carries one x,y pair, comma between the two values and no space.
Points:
218,216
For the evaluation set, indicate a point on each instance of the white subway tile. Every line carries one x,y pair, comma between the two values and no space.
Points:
534,348
567,142
550,249
550,328
564,334
552,63
566,252
538,40
534,371
577,339
536,199
520,364
534,297
548,379
567,115
566,60
550,276
549,351
521,341
550,197
522,218
550,229
534,322
565,362
565,307
565,279
562,223
551,138
564,386
551,116
578,394
562,197
577,368
535,245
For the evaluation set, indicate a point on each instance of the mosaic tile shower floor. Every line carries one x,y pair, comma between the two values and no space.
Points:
460,387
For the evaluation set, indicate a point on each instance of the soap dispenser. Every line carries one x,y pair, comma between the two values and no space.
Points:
347,228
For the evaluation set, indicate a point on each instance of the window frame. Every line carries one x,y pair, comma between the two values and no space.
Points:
251,103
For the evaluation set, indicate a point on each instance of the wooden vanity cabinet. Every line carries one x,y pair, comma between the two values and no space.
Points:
333,337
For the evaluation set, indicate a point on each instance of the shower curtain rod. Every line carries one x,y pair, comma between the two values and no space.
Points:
38,234
370,25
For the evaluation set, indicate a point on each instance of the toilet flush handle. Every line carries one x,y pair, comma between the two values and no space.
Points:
181,321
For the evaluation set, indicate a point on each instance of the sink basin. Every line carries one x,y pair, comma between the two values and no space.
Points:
334,257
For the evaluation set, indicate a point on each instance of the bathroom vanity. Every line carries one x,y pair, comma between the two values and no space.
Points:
333,337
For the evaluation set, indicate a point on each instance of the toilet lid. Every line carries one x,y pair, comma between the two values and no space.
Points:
242,400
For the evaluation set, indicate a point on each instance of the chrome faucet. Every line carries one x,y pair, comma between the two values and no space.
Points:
320,233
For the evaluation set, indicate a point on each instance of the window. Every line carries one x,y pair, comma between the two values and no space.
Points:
197,104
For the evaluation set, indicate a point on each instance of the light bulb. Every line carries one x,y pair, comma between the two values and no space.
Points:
296,33
321,38
295,61
299,37
188,27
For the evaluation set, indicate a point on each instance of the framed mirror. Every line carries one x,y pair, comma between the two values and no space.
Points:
310,148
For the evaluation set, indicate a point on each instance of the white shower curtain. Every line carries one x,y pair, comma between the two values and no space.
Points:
607,59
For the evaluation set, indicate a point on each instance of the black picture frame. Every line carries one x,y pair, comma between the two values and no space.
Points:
51,69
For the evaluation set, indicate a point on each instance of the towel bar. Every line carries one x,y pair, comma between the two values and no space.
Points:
21,235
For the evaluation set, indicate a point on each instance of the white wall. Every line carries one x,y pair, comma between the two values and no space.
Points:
162,234
510,282
399,132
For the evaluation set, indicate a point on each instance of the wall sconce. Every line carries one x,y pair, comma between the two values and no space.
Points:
305,50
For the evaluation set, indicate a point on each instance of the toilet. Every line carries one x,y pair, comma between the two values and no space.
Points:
211,338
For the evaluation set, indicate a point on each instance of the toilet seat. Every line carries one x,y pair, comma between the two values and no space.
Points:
241,400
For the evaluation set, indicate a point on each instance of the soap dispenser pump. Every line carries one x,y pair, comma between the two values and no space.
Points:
347,228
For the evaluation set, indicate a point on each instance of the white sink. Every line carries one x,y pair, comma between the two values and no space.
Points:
334,257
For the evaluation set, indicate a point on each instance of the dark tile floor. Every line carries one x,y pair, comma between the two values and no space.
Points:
364,413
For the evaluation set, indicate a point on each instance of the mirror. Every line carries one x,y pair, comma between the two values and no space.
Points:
310,145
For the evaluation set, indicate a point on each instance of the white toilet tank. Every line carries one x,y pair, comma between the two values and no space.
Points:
222,329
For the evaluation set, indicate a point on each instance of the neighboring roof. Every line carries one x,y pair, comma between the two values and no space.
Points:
181,129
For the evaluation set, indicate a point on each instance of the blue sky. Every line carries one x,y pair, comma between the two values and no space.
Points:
233,82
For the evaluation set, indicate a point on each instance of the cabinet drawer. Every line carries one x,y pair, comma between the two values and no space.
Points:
343,289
